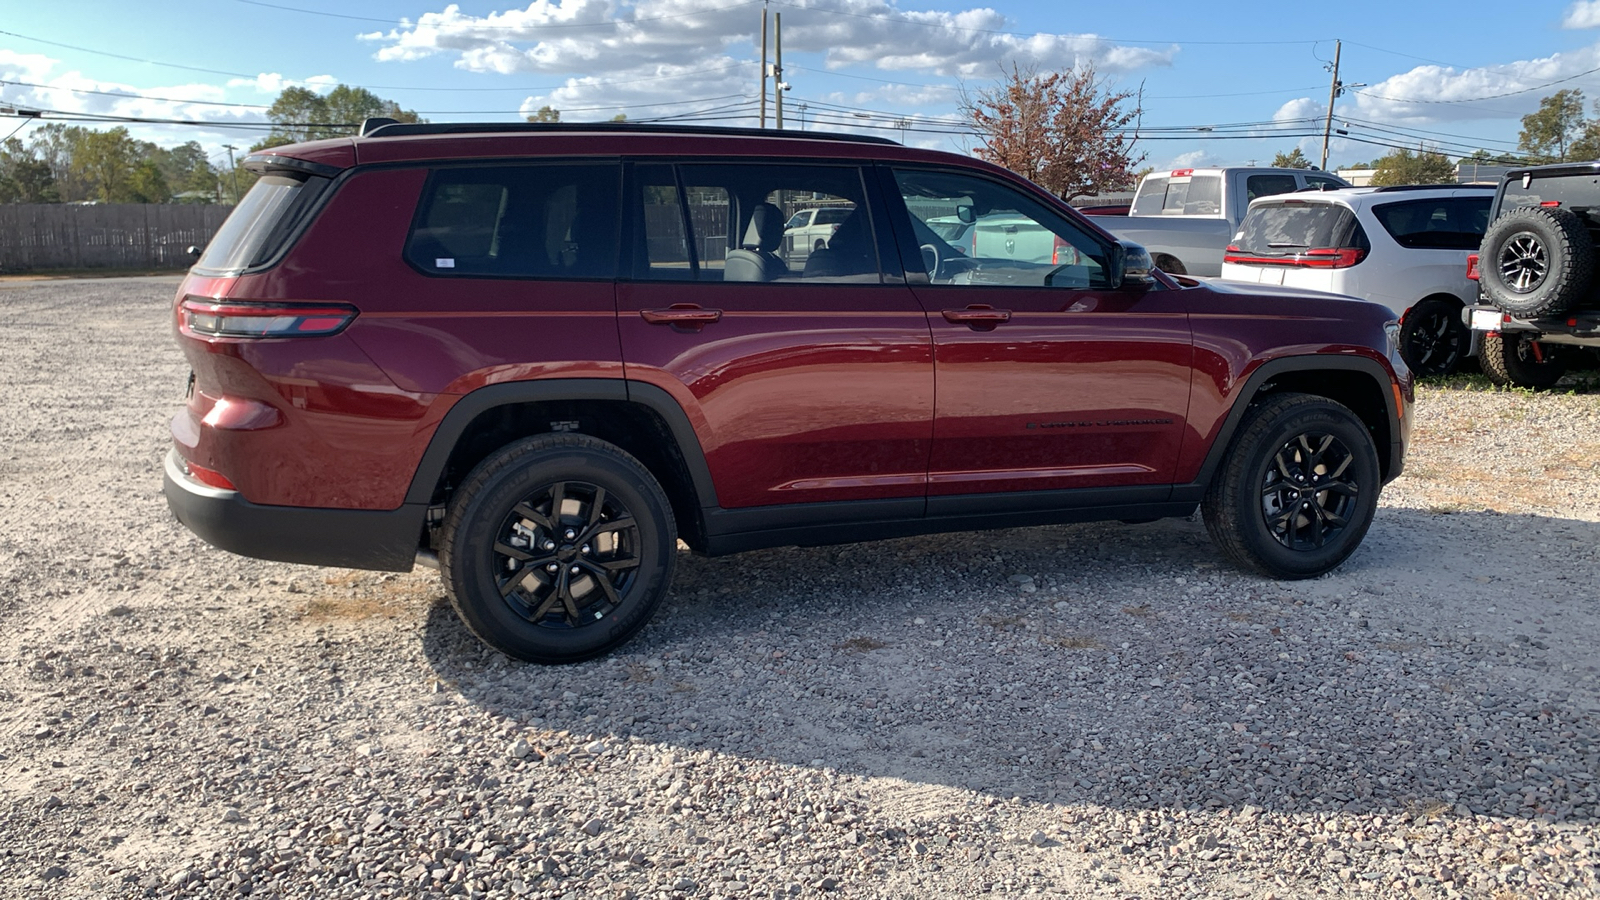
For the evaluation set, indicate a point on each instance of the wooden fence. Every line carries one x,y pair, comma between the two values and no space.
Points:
118,235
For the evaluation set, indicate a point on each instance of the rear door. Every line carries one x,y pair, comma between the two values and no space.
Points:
808,374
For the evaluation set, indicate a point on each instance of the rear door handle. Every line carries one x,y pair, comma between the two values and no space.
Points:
681,314
977,316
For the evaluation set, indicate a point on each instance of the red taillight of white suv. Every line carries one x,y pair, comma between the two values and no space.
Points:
206,317
1316,258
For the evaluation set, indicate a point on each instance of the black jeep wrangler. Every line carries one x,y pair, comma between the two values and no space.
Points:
1539,310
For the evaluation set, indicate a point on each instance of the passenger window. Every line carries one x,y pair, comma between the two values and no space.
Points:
1455,223
755,223
1269,185
527,221
1003,238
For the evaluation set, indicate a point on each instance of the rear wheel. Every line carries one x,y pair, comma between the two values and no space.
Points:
1536,261
1297,490
1512,360
558,548
1433,337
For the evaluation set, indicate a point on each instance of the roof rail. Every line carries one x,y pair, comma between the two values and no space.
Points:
1392,188
406,129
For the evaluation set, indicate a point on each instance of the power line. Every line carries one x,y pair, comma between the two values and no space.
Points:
1536,87
406,23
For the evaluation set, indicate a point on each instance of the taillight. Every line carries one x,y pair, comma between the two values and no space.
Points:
1055,252
1472,266
1332,257
1319,258
231,318
1549,203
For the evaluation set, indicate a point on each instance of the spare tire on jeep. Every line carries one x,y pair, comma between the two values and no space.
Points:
1536,261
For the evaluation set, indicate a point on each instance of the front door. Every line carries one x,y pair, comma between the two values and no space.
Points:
1048,375
807,372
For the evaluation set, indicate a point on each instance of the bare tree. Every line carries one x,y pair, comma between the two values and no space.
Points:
1065,131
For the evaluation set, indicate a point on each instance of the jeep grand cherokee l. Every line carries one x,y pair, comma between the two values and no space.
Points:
542,355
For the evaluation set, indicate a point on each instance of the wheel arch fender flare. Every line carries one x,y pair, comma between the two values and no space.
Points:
1388,457
470,406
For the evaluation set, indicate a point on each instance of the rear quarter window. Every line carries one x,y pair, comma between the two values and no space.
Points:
262,224
1448,223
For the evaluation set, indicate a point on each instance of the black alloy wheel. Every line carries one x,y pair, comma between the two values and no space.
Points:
1433,338
1524,262
1309,491
566,554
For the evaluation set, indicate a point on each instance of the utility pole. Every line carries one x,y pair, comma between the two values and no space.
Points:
778,87
1333,94
763,64
235,170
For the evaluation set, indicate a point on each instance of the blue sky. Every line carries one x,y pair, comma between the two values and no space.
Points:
1459,75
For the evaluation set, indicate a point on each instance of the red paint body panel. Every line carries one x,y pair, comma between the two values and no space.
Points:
799,394
1076,389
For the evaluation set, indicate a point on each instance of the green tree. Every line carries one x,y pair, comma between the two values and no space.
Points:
24,178
620,117
105,160
1294,159
301,114
546,114
1550,130
144,184
1066,131
1404,167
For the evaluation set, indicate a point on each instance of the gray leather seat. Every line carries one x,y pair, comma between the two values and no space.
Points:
755,260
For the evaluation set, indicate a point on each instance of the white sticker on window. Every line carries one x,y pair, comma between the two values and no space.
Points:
444,264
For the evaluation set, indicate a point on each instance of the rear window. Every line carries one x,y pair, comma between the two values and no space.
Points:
1152,194
1294,226
261,224
833,215
549,220
1447,223
1574,192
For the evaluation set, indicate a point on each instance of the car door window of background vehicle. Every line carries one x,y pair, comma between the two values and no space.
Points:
261,224
1282,232
1323,182
1449,223
1268,185
524,221
1014,240
739,219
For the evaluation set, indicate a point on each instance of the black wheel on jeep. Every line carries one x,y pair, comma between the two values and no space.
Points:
1297,490
558,548
1513,360
1433,337
1536,261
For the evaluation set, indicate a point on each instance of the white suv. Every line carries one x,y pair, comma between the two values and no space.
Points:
1403,247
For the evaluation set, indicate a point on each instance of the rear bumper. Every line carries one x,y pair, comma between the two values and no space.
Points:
1580,328
385,540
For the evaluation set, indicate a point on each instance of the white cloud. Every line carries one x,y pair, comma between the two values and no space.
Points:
1442,93
582,36
272,83
1582,14
1191,160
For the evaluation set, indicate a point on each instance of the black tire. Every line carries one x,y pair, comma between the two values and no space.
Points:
570,501
1512,360
820,245
1433,337
1536,261
1297,490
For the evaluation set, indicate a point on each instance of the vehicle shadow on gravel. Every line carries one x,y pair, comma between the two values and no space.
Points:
1119,666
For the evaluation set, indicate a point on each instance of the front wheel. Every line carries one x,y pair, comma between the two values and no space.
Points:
1297,490
1512,360
558,548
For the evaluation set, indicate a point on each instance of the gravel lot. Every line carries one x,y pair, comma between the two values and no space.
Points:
1084,711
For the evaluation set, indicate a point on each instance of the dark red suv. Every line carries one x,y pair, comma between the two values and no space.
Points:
543,355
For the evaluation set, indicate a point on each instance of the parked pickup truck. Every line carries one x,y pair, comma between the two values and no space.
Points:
1187,216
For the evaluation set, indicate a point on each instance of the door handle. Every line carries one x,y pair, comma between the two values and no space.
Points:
686,315
983,317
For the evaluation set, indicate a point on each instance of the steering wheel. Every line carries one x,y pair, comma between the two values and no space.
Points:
930,260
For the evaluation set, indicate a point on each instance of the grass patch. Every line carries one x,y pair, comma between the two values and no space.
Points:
861,645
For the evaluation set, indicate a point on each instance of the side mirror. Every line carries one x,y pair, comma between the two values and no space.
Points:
1131,264
193,250
965,214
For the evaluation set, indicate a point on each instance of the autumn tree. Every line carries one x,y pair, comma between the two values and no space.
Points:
1065,131
1404,167
1294,159
1551,129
